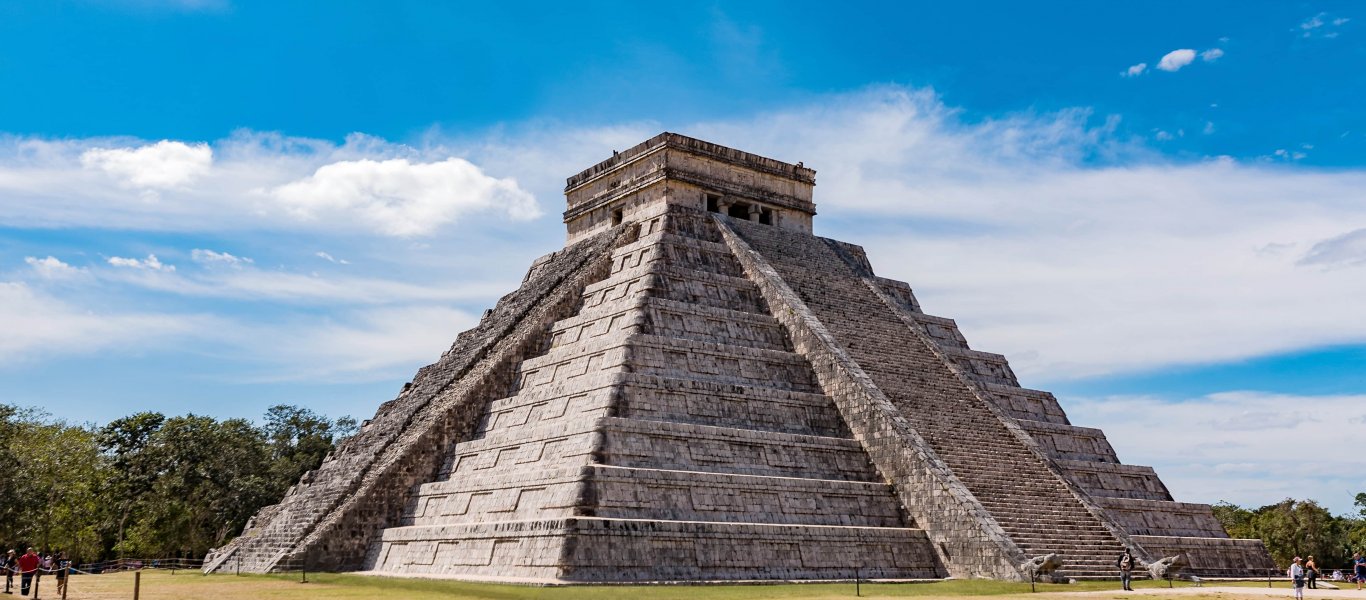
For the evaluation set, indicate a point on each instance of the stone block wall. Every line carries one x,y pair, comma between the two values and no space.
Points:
669,431
329,518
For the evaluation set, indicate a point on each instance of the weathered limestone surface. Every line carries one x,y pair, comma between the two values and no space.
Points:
696,388
1008,504
669,431
328,518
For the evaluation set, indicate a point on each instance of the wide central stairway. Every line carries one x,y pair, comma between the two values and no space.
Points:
1029,501
668,431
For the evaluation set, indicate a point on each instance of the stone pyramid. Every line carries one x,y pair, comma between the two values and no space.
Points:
698,388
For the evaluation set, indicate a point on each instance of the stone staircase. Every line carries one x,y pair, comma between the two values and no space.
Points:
1027,498
668,432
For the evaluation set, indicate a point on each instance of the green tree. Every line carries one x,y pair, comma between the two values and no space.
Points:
52,485
299,440
214,476
1237,521
133,471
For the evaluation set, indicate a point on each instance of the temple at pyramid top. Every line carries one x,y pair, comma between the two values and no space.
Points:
676,169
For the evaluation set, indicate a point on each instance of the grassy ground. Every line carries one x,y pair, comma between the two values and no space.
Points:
161,585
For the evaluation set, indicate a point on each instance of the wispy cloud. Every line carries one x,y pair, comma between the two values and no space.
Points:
1214,447
332,259
357,345
1135,70
52,268
210,257
1346,250
1322,25
38,325
151,263
1050,238
1212,54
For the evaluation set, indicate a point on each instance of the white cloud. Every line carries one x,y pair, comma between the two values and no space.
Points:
249,283
403,198
1322,25
329,258
1246,447
1174,60
165,164
1209,128
52,268
359,344
1163,136
151,263
1071,270
1050,239
1212,54
209,257
1346,250
248,182
1135,70
36,325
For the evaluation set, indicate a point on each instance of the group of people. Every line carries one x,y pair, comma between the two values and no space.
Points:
1305,573
29,566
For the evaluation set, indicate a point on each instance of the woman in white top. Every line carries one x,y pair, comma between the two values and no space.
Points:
1297,577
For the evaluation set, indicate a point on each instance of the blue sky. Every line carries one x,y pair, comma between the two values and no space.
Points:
1156,211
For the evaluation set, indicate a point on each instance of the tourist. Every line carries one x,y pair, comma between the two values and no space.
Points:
1359,566
1311,573
10,564
63,565
28,569
1297,577
1126,568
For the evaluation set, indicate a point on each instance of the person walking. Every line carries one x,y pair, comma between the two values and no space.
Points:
28,568
1126,569
63,565
1311,573
1359,567
10,564
1297,578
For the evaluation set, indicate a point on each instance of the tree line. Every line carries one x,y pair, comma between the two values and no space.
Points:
148,485
1301,528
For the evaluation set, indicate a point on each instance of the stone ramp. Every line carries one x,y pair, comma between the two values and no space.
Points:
326,520
1024,495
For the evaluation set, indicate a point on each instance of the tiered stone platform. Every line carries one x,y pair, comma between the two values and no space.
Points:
698,389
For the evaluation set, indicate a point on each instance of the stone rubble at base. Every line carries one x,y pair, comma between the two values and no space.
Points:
698,389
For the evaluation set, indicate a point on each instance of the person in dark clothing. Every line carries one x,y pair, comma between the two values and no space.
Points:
10,564
1311,573
63,565
1126,568
28,569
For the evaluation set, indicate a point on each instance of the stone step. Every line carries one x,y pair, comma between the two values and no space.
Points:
687,447
649,550
630,493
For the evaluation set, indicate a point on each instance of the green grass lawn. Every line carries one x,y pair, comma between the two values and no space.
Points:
162,585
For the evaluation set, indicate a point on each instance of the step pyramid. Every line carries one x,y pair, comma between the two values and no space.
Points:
696,388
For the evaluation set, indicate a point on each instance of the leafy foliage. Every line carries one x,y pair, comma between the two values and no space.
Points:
1293,528
147,484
